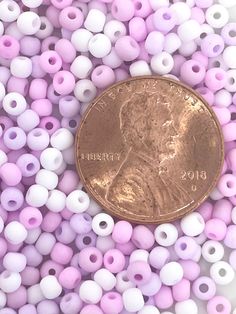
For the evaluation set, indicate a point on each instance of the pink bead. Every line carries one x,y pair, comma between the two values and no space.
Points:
132,48
223,114
137,29
103,76
90,259
230,238
70,277
63,82
204,3
30,276
50,61
192,72
111,303
9,47
66,50
215,79
122,232
50,124
191,269
219,304
152,286
51,268
61,253
71,18
198,56
158,257
30,46
61,4
164,19
150,23
17,299
206,210
207,94
178,62
114,261
10,174
52,13
139,272
38,89
30,217
215,229
19,85
181,291
68,181
222,210
91,309
43,107
126,248
227,185
198,15
51,221
229,131
123,10
164,298
27,309
142,237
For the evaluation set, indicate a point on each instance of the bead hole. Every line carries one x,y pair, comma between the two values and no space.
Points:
10,7
212,250
165,62
81,199
196,68
125,278
68,298
233,116
7,43
87,240
230,184
71,15
43,26
217,15
32,221
72,123
216,64
13,104
232,33
112,296
138,277
37,133
30,166
163,235
52,60
222,272
51,46
52,271
138,5
103,225
133,44
49,125
60,80
93,258
87,92
110,259
12,135
203,35
166,16
216,48
212,235
183,246
12,203
219,76
203,288
220,308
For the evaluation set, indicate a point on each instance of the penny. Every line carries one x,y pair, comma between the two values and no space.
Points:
149,150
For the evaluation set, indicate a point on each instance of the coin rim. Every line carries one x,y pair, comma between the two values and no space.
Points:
99,199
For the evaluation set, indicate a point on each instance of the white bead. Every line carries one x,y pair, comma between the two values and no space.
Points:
201,238
122,282
152,37
99,45
32,119
193,224
6,75
56,201
171,274
69,155
9,11
133,300
81,67
36,195
105,243
51,158
61,169
80,39
9,281
205,30
217,16
94,208
62,139
222,273
229,57
215,194
227,3
3,157
166,234
2,90
112,59
231,81
139,255
21,67
46,178
102,224
32,3
77,201
3,299
12,30
50,287
15,232
46,28
189,30
149,309
45,243
188,48
162,63
1,224
85,90
28,23
139,68
33,235
157,4
14,103
212,251
182,12
90,292
1,28
37,139
186,307
223,98
95,21
105,279
114,30
14,262
34,294
172,42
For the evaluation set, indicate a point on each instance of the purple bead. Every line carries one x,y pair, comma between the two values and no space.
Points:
228,34
28,164
71,303
14,138
81,223
185,247
12,199
204,288
212,45
230,238
64,233
164,19
27,309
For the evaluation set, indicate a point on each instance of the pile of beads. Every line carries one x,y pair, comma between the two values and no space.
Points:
59,252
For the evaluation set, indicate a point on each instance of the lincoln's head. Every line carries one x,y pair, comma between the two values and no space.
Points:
146,125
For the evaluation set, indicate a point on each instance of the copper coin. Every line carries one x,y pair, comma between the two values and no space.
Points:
149,150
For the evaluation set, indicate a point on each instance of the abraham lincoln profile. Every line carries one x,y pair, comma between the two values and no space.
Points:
140,185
